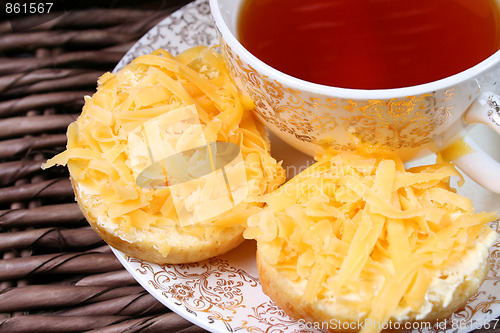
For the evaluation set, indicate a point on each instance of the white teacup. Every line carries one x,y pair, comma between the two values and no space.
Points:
414,121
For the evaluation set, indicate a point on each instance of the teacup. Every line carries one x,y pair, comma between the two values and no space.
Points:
413,121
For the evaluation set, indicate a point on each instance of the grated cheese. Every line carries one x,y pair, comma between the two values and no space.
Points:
358,226
145,112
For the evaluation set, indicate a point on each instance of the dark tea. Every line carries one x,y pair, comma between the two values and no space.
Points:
370,44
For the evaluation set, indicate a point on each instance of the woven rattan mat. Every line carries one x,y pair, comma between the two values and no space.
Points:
56,274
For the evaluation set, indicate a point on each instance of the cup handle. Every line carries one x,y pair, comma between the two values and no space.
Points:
478,165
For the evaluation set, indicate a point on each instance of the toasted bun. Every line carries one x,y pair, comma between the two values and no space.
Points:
140,165
357,238
288,295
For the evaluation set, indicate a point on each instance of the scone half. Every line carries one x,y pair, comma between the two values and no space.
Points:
167,161
360,243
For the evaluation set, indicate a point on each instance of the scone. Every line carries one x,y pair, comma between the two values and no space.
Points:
166,159
357,242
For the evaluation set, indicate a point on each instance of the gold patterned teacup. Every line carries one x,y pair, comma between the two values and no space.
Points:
413,121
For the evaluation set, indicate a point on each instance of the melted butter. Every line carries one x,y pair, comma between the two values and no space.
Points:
446,281
456,150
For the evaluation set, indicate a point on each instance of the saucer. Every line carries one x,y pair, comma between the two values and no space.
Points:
223,294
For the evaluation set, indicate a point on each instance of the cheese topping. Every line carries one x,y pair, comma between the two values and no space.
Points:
156,103
370,239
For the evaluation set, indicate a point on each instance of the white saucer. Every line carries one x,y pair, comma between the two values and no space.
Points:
223,294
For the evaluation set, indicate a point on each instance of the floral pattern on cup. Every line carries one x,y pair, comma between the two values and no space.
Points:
410,121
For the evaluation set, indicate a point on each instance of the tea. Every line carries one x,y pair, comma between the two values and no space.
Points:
370,44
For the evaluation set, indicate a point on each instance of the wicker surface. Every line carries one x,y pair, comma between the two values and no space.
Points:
56,274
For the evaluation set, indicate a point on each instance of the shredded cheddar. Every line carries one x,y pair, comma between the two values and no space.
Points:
120,127
359,223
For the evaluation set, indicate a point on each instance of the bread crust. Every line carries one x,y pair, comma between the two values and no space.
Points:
287,295
146,245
